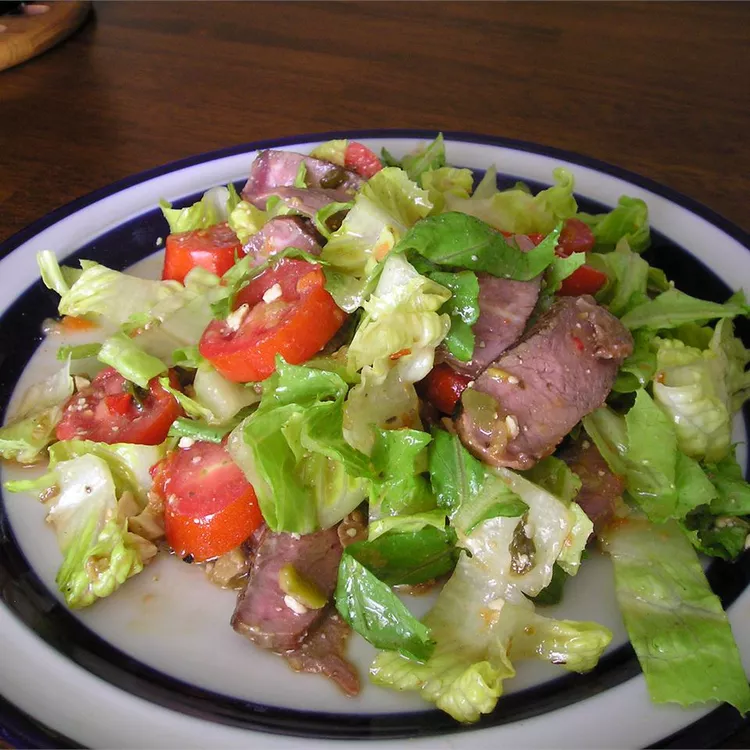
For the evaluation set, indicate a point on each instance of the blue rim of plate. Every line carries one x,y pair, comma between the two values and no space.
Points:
102,658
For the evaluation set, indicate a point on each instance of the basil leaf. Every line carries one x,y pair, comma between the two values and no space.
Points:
371,608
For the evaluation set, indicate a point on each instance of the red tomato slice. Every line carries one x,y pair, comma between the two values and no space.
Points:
575,237
363,161
584,280
444,386
297,321
106,412
209,506
214,249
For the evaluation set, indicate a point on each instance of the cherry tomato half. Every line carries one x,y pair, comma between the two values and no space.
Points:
284,310
209,506
363,161
107,411
214,249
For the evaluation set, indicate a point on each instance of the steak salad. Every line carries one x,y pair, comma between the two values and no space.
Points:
360,377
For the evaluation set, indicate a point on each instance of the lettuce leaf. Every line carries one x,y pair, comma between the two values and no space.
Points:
281,447
676,624
124,354
516,210
32,429
628,221
214,207
386,206
627,278
99,554
245,220
333,151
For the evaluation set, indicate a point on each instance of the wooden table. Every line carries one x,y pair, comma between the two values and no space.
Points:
661,89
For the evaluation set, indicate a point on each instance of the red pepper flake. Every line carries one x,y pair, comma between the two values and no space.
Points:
399,354
578,343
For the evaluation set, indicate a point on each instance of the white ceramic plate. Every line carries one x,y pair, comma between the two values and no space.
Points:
157,665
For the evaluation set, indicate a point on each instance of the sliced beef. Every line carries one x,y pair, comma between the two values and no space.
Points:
322,652
279,234
272,170
504,308
600,488
528,400
262,614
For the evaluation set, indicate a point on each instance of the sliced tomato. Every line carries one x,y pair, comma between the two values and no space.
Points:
209,506
575,237
284,310
584,280
363,161
214,249
107,412
443,387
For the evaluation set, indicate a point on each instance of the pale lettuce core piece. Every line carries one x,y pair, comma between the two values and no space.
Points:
32,429
214,207
675,622
98,553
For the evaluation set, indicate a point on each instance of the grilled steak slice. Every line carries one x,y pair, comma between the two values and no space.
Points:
262,614
600,488
277,235
529,399
323,653
307,201
278,169
504,308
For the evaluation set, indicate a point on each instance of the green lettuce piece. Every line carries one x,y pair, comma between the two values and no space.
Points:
99,555
628,221
199,429
455,475
400,557
214,207
245,220
495,499
401,318
516,210
552,593
55,277
733,492
32,429
575,543
640,367
430,158
322,215
446,180
77,351
398,488
627,278
676,624
407,523
377,614
717,536
735,358
333,151
386,206
279,448
124,354
673,308
482,609
457,240
100,293
463,308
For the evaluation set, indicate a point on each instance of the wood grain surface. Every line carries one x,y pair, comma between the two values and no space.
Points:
661,89
658,88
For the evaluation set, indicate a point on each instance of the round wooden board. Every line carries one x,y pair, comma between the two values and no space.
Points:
25,36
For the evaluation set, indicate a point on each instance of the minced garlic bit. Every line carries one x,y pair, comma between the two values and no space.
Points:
185,442
512,424
272,293
297,607
234,320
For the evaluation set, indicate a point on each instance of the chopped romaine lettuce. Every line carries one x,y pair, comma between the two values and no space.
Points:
675,622
213,208
245,220
99,555
627,278
628,221
124,354
516,210
32,429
